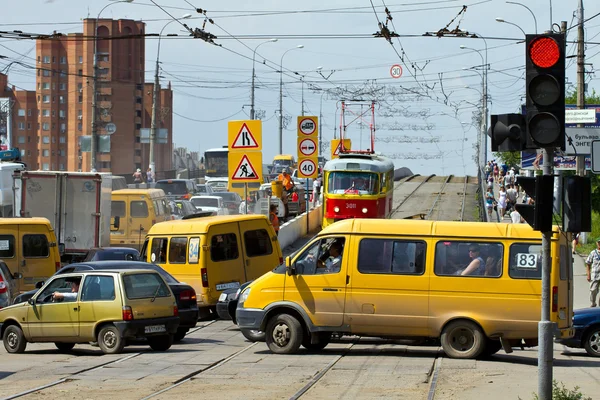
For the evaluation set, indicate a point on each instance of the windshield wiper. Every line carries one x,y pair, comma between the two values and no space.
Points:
155,293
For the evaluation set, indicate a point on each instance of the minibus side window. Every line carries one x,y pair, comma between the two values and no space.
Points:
7,246
224,247
475,259
386,256
177,250
258,243
525,261
158,254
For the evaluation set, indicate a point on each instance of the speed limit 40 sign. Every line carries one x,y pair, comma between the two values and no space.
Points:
308,167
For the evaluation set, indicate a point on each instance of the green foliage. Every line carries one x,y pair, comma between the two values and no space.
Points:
510,158
560,392
571,98
588,247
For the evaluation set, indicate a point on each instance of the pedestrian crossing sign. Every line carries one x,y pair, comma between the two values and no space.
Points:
336,147
245,167
245,135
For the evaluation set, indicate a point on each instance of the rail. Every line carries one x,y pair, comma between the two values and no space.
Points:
413,192
439,196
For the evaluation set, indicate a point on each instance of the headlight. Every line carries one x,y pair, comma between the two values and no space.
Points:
244,296
223,297
364,210
336,209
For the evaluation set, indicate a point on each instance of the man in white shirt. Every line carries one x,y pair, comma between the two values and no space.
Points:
75,281
511,196
516,217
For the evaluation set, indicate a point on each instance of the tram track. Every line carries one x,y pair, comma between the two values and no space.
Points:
427,179
70,377
439,196
464,199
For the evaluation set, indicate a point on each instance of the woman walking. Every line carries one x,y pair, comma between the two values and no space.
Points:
489,202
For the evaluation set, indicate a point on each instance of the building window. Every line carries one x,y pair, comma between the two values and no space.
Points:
45,153
21,112
46,167
29,126
29,112
80,59
61,114
62,86
53,59
138,126
62,139
46,59
138,100
46,139
138,153
21,126
46,85
61,167
137,139
80,86
53,113
103,57
61,99
21,139
102,71
63,74
46,98
138,113
105,164
28,139
46,127
45,113
63,127
46,72
61,152
63,60
79,127
80,72
53,139
22,153
80,99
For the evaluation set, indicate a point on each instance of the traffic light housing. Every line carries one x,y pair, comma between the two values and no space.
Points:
507,132
545,90
541,190
577,204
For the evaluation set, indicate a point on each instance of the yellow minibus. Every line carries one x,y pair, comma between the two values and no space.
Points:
476,287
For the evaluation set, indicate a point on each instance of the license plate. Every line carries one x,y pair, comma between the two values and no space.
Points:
231,285
155,329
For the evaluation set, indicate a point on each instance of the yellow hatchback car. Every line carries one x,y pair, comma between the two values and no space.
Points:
107,307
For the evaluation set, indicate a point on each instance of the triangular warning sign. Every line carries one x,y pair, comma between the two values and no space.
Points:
244,139
338,149
245,171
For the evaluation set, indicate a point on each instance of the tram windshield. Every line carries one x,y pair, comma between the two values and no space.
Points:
347,182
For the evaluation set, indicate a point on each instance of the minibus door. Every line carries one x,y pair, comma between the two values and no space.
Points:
318,282
260,252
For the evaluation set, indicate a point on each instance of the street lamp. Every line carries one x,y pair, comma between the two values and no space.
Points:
498,19
94,143
155,93
300,46
531,12
253,76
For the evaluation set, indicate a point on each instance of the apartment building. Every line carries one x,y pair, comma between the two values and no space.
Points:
53,125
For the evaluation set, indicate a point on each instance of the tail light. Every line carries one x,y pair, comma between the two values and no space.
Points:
186,196
57,265
175,311
127,313
153,221
554,298
280,260
187,295
3,286
204,275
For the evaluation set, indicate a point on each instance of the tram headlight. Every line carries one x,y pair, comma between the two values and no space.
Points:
364,210
336,209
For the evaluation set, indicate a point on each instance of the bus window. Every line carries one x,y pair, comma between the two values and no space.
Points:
397,257
525,261
481,259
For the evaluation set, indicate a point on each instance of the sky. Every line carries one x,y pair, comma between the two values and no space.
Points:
425,120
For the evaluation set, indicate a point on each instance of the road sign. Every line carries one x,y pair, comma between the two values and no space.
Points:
596,156
244,135
110,128
245,167
581,140
560,162
306,147
308,126
575,116
396,71
308,167
336,147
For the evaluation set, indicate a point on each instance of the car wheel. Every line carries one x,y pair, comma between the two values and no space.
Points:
253,335
592,342
284,334
14,340
323,340
110,340
180,334
160,343
463,339
64,346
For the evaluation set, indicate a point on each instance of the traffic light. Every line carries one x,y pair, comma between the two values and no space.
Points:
541,190
545,89
577,206
507,132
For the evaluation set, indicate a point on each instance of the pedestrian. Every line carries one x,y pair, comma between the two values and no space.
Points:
496,172
488,169
516,218
512,196
489,202
593,272
316,190
273,218
575,241
137,176
501,202
149,175
242,209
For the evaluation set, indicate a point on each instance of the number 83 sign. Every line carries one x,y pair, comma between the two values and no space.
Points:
308,167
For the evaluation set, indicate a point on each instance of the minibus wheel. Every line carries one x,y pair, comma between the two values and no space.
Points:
463,339
284,334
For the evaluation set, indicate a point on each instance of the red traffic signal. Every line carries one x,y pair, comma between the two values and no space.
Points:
544,52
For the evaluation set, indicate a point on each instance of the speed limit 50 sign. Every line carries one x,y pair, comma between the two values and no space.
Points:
308,167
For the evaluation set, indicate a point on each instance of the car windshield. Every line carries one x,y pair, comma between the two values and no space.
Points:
347,182
205,202
227,196
172,187
201,188
217,184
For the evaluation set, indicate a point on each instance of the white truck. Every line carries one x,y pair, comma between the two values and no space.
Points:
7,169
76,203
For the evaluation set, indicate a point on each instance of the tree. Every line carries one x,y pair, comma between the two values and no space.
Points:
510,158
571,98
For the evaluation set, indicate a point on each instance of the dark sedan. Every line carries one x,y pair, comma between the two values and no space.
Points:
586,323
112,253
185,295
226,307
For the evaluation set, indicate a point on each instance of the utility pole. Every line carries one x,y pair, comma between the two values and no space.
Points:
154,121
94,138
580,166
302,80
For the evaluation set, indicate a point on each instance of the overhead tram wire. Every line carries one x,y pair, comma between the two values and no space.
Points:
208,121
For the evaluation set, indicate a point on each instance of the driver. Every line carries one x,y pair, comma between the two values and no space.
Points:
72,296
333,263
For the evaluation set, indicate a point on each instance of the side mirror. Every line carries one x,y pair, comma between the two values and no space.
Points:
289,267
31,301
17,275
116,222
61,248
38,285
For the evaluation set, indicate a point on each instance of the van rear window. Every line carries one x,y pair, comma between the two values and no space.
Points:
7,246
138,209
117,208
143,286
525,261
178,187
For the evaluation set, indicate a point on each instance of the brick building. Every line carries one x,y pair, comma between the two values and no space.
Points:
49,123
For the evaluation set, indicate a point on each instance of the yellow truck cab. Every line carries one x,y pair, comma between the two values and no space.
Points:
133,212
28,246
474,286
213,254
281,161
